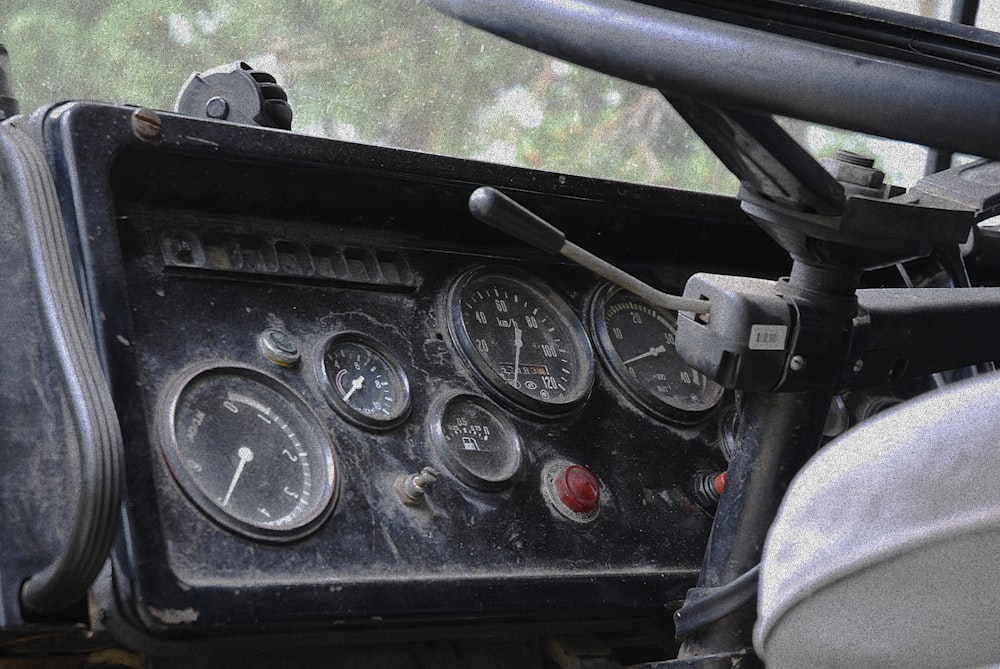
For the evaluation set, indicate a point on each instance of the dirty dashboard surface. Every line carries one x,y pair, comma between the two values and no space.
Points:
346,403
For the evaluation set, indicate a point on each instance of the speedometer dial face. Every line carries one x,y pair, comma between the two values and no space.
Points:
522,340
636,343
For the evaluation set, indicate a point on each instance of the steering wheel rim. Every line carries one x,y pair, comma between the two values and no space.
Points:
712,61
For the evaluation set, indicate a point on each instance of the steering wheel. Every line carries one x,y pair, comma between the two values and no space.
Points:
904,77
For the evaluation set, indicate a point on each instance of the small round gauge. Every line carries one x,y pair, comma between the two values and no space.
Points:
477,442
249,453
636,343
364,383
522,340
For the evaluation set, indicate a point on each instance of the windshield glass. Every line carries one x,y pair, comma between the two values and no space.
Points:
396,73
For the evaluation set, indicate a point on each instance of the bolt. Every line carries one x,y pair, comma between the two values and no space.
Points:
797,363
853,169
858,365
852,158
217,108
708,488
146,124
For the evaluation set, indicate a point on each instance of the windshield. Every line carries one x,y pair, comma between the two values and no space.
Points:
395,73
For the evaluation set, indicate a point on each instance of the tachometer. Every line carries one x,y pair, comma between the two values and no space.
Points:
522,340
249,453
636,342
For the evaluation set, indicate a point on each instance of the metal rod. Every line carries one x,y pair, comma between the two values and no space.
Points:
706,59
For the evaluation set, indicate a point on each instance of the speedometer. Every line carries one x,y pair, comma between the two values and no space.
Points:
522,340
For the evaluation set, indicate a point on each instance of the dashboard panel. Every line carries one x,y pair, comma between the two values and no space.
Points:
346,404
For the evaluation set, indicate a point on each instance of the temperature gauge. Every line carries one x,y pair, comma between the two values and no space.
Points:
477,442
364,383
636,343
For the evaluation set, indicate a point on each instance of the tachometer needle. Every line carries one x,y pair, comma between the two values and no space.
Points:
653,352
246,455
355,385
518,344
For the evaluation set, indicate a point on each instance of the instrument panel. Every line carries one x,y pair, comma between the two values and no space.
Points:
346,403
250,453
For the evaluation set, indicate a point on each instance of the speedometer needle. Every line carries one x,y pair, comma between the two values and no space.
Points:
518,344
246,455
653,352
355,385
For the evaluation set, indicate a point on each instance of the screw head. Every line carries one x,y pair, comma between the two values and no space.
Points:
797,363
146,124
858,365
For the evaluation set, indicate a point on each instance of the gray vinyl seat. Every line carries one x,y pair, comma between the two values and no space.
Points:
886,550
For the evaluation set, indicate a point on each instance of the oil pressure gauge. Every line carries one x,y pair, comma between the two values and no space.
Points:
635,340
248,452
364,382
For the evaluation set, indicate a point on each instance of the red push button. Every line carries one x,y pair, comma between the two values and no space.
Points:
578,489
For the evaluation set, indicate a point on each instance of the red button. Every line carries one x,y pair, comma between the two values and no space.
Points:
578,489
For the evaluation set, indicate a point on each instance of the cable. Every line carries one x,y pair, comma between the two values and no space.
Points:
706,605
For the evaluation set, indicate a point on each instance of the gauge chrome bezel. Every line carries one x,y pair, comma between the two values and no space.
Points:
344,409
495,385
642,397
461,470
166,436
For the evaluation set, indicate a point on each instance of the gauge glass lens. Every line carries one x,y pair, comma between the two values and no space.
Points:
479,444
636,341
365,383
522,340
250,454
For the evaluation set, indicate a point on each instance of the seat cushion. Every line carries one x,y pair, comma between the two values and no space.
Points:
886,549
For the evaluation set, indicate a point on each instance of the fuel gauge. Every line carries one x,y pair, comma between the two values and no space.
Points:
477,442
636,343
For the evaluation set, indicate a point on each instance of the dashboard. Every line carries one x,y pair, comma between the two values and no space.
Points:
348,407
276,400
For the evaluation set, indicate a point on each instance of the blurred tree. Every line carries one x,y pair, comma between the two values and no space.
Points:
389,72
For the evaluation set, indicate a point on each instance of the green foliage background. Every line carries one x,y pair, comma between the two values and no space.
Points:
388,72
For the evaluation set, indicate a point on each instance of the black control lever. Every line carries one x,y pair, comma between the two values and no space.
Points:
496,209
764,336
